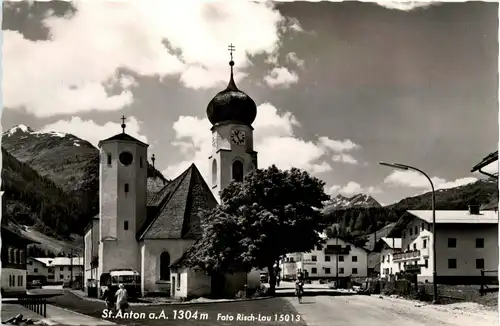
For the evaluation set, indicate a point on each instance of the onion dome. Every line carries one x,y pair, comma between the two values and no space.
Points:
232,105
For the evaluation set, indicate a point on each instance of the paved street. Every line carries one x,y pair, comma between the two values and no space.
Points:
207,313
375,311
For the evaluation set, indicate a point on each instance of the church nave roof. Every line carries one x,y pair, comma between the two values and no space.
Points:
173,211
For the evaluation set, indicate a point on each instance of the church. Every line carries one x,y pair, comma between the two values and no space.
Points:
148,229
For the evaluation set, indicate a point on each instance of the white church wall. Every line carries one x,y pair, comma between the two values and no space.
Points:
118,254
151,260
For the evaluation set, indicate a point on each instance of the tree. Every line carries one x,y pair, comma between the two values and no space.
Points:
271,213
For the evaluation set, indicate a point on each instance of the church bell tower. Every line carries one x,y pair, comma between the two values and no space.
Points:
123,200
231,113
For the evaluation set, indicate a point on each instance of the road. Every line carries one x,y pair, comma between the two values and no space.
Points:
386,311
208,314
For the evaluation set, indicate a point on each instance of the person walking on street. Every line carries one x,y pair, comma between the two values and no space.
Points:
121,299
109,297
299,288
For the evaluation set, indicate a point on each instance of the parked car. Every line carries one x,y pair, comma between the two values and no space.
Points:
36,284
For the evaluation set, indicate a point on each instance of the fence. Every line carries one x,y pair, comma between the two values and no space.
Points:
485,285
35,304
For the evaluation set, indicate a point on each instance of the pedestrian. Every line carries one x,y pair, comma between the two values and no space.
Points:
109,297
121,299
299,288
278,281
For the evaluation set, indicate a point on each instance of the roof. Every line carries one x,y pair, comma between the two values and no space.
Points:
324,236
457,217
389,241
123,137
60,261
173,211
492,157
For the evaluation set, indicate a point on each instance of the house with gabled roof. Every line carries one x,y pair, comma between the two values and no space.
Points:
387,248
145,228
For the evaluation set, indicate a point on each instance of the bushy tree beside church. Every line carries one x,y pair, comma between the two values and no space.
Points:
267,215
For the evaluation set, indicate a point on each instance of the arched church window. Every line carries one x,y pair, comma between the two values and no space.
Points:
238,171
165,266
214,172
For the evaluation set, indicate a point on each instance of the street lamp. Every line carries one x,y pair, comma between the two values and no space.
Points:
434,273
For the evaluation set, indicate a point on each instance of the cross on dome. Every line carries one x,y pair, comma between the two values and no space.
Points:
123,123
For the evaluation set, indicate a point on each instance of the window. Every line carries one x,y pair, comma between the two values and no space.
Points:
383,259
480,263
327,270
354,259
452,263
126,187
348,247
355,270
178,281
61,276
21,257
480,243
426,263
341,270
416,230
109,158
314,258
10,256
62,269
314,270
15,256
238,171
411,231
414,246
214,173
319,248
388,258
327,258
165,266
399,265
424,244
140,161
391,270
292,259
408,247
423,226
452,242
341,258
125,225
35,270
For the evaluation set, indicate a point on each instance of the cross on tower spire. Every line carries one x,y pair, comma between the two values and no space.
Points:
123,123
231,49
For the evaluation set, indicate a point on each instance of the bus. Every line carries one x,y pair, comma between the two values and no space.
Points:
128,277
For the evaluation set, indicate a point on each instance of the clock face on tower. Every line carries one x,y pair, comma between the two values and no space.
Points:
238,137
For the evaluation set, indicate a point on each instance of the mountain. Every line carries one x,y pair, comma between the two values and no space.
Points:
342,202
359,221
51,181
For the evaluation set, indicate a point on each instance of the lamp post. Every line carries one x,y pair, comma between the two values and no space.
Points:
434,260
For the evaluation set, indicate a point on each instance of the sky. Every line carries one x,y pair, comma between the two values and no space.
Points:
339,86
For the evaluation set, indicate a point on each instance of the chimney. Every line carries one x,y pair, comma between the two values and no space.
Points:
474,209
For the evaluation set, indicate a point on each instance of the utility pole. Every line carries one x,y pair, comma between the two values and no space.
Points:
71,268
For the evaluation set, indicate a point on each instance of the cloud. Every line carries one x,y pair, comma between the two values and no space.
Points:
338,146
345,158
72,71
414,179
92,132
281,77
405,5
351,188
293,58
274,137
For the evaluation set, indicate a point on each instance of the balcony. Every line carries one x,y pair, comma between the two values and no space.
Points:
409,255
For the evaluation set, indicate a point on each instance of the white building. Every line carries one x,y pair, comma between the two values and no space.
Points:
388,247
336,258
55,270
145,230
466,242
